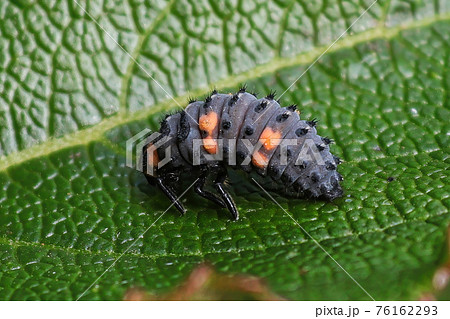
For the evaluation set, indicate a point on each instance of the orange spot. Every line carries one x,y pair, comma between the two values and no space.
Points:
208,122
259,160
152,160
210,145
270,139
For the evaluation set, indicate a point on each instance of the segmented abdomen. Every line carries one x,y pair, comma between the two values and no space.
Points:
232,122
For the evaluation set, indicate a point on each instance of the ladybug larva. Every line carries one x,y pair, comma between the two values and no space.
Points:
243,132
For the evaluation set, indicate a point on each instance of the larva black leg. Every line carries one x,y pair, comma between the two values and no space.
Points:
169,193
228,201
198,188
225,195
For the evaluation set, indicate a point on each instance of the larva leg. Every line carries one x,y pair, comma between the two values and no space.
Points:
198,188
225,195
168,192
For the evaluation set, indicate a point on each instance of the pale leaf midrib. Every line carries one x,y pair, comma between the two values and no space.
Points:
96,132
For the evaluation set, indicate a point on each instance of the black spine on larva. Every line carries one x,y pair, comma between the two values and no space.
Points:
258,113
183,130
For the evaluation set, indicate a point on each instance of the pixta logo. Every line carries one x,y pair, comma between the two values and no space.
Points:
152,142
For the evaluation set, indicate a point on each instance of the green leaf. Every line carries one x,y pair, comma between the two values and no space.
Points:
70,97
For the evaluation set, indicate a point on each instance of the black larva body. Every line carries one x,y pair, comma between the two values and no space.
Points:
229,122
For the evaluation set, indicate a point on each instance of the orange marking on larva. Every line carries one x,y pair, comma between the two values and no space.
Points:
155,158
259,159
270,139
210,145
208,122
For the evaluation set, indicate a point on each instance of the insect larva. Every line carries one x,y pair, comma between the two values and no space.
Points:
249,134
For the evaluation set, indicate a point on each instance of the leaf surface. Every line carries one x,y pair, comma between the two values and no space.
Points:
70,98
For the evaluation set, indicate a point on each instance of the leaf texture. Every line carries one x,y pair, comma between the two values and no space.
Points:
70,97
